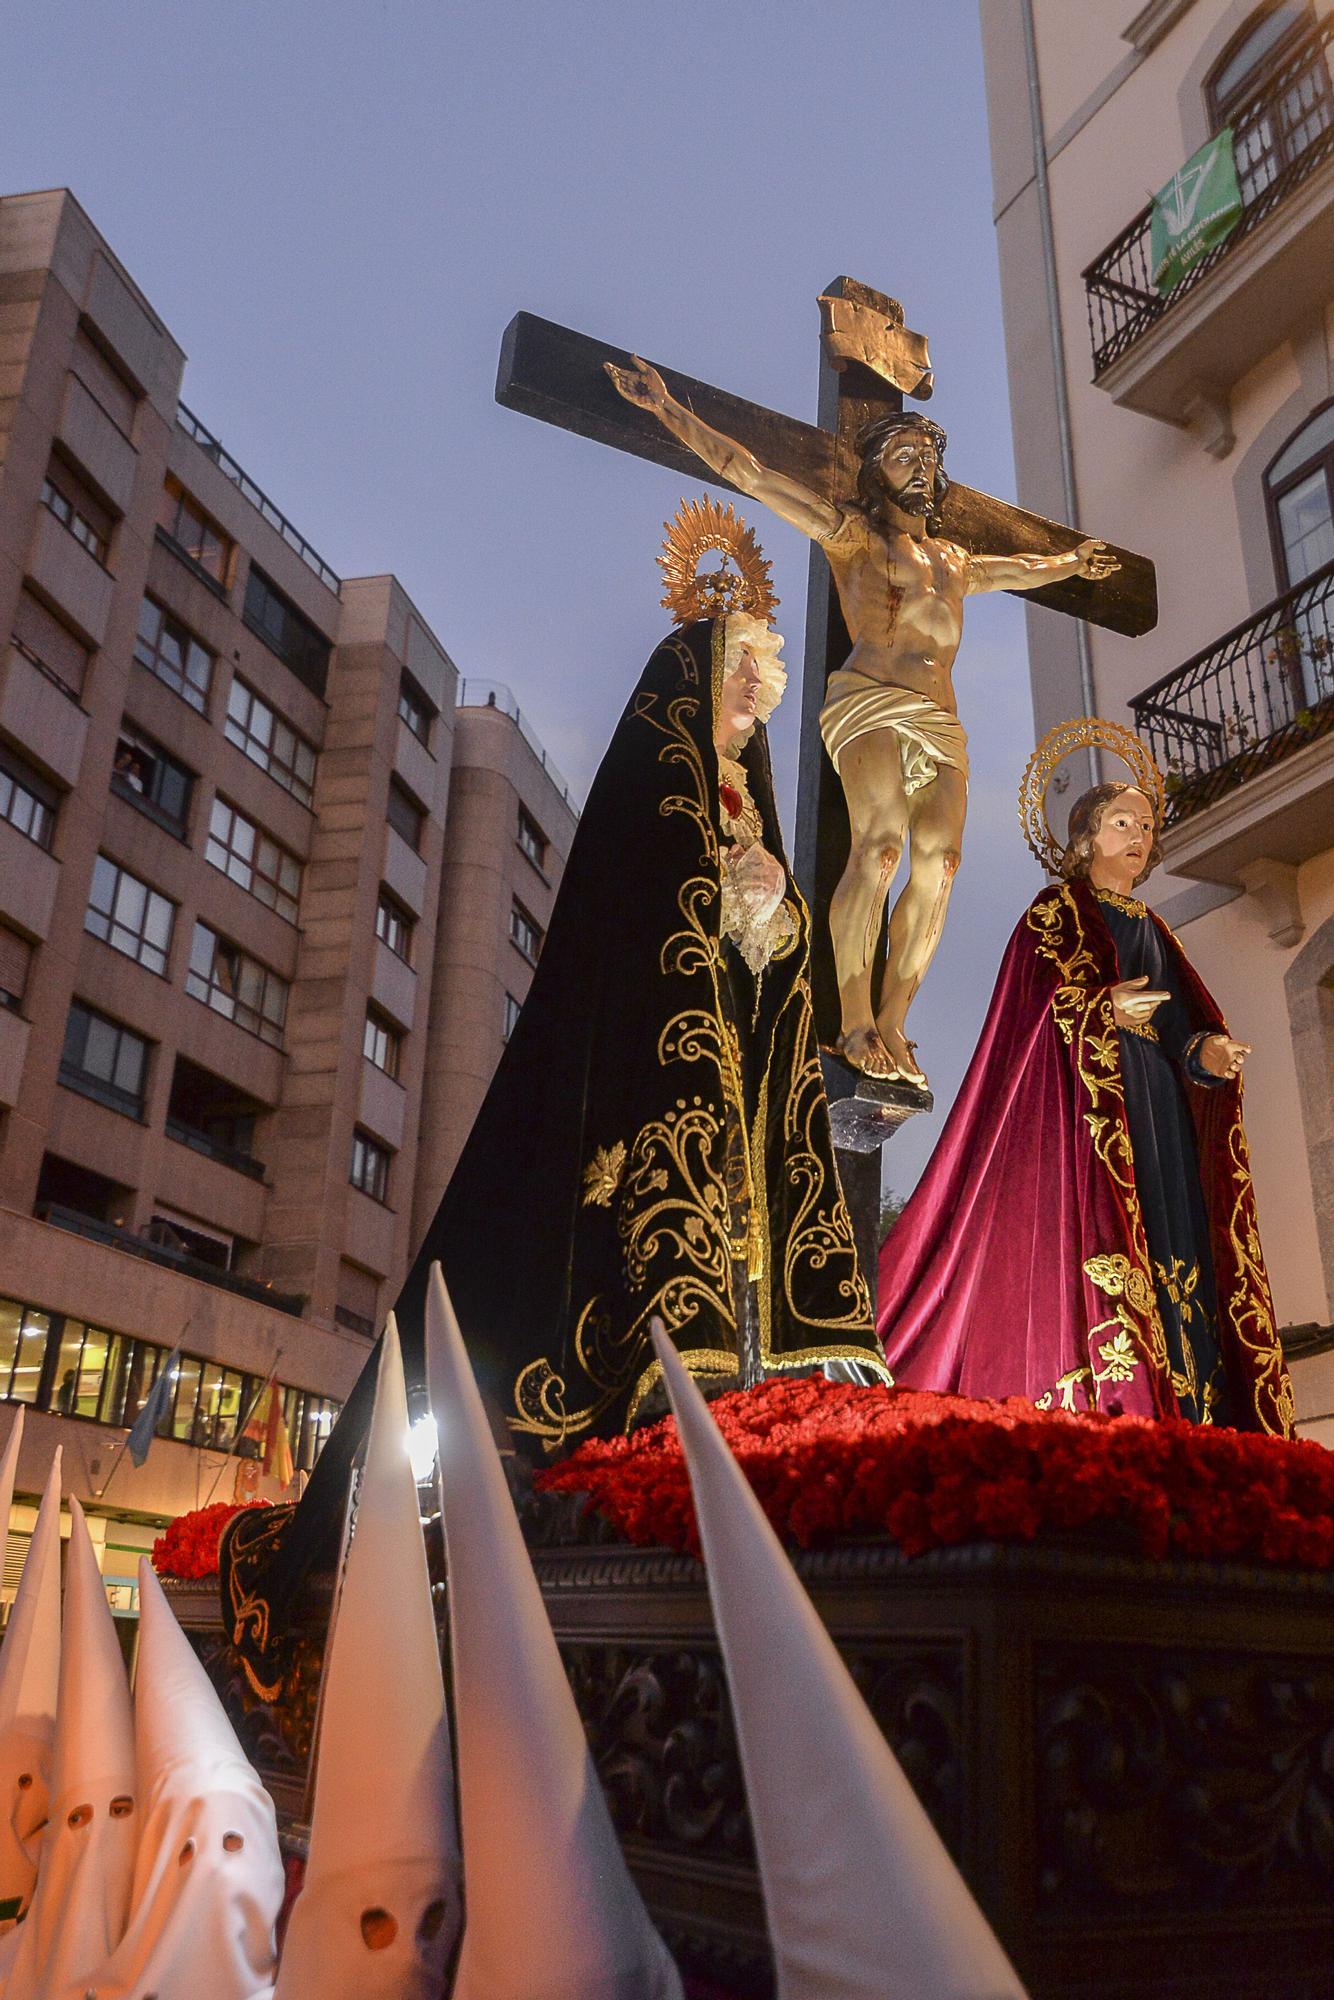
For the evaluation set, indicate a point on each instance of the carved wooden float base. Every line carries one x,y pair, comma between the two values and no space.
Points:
1133,1762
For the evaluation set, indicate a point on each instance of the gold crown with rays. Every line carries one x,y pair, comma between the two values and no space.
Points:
1083,733
742,582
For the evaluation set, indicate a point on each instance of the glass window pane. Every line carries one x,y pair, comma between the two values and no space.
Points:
131,900
130,1064
112,1398
1307,526
66,1378
187,1393
32,1351
99,1049
91,1371
11,1313
103,892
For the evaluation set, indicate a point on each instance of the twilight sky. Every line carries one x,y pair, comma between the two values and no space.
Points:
337,205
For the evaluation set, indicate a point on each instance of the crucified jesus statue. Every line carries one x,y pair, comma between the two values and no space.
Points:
890,721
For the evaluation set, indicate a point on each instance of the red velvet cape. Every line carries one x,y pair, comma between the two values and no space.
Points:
1020,1266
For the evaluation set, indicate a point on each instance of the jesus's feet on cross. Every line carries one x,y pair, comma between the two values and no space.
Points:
863,1048
903,1055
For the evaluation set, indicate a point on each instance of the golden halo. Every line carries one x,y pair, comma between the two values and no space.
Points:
701,525
1084,732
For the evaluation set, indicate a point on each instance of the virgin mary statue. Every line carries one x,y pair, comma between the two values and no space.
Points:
1085,1232
655,1142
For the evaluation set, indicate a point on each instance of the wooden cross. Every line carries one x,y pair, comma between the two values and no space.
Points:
550,372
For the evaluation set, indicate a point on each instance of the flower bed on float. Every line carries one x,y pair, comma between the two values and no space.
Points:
828,1459
188,1547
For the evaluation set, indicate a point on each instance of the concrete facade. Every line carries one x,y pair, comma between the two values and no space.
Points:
233,994
1158,421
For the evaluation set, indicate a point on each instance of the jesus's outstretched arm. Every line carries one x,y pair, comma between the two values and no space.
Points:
643,386
1092,559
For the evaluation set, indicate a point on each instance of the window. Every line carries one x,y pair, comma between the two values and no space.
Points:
87,521
370,1167
1270,133
381,1044
148,778
276,620
104,1061
405,816
186,525
44,641
129,916
358,1302
512,1007
15,961
270,742
414,709
309,1419
532,839
26,801
167,650
263,868
393,926
1300,490
104,382
23,1337
236,986
525,931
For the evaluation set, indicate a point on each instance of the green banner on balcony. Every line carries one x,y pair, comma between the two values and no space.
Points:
1198,207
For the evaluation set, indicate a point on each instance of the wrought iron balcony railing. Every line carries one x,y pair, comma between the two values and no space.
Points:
1279,139
1263,690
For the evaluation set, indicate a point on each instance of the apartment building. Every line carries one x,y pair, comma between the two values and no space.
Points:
1182,403
226,805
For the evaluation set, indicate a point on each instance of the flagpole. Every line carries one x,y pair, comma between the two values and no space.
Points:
269,1382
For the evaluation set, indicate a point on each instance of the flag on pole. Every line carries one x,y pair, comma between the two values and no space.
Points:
144,1427
277,1445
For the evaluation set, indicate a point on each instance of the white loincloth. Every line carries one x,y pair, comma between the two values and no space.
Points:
929,736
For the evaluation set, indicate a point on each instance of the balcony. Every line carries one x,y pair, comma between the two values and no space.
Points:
258,499
1245,734
116,1238
1175,355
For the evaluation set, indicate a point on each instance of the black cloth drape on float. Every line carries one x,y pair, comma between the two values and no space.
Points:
655,1142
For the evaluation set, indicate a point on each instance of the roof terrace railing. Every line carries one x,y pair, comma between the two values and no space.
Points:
1262,691
1279,139
258,499
495,694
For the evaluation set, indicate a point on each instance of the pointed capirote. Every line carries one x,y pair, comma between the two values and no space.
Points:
552,1913
82,1898
208,1874
29,1690
863,1901
379,1913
